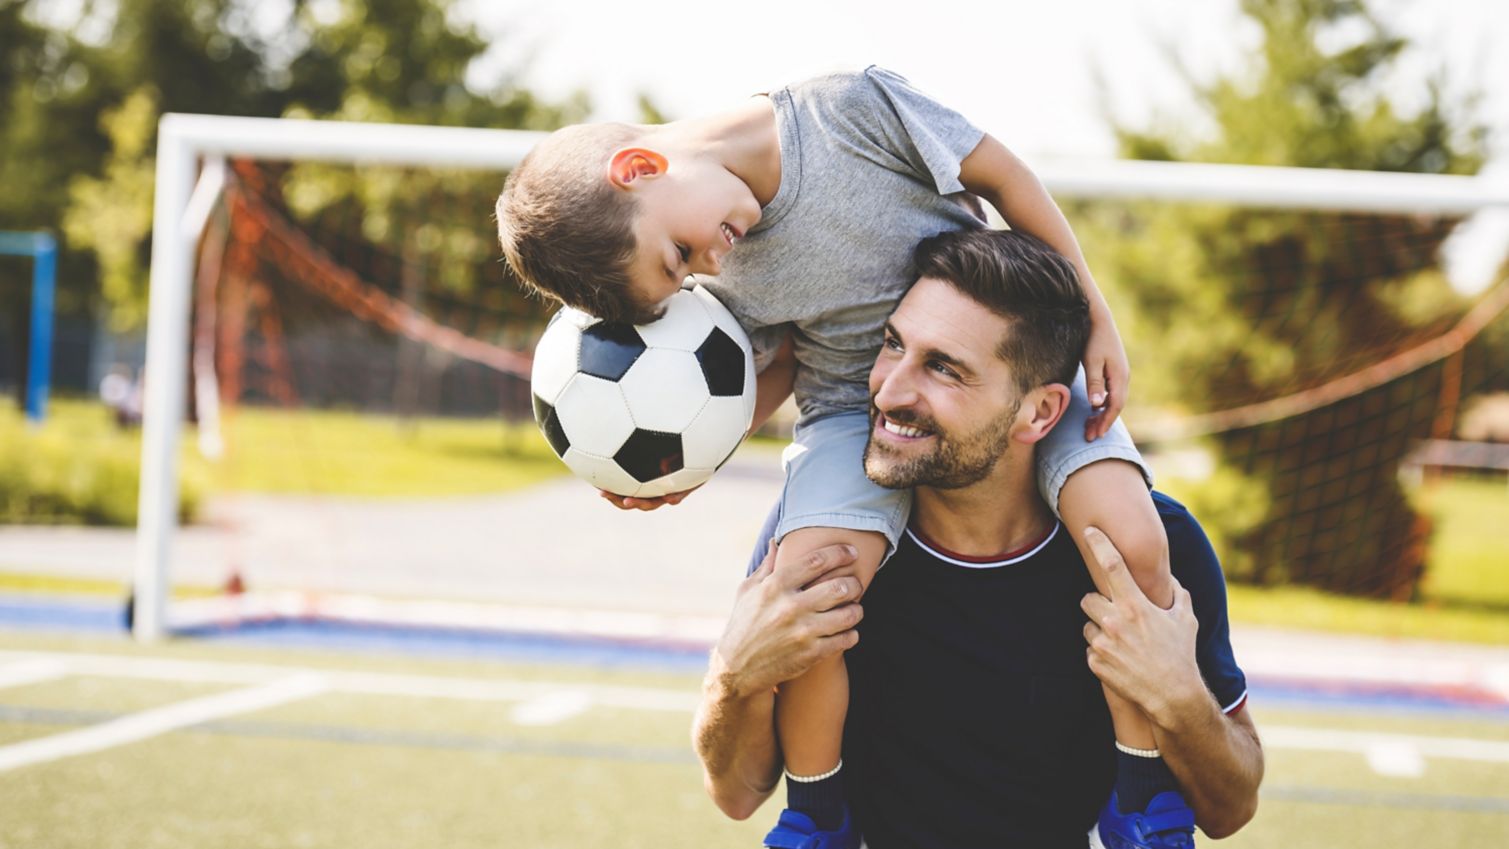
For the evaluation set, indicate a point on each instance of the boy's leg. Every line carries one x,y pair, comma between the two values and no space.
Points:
1105,484
1112,495
827,500
810,710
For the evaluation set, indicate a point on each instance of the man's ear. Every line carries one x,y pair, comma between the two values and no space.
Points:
1041,409
629,164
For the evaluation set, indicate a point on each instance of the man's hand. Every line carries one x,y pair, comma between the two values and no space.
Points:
1107,374
629,502
1144,653
784,623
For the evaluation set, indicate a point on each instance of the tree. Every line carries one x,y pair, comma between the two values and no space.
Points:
1227,307
78,133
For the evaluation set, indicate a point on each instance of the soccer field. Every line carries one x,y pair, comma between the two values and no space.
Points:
107,744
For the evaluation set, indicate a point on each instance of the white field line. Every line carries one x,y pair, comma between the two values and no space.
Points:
1395,759
150,723
31,671
644,698
1369,743
368,683
551,709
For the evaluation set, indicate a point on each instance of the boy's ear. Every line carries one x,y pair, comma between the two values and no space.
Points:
632,163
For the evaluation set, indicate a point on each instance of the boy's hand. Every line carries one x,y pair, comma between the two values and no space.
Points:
1107,375
629,502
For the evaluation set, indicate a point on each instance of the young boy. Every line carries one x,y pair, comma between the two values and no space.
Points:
824,188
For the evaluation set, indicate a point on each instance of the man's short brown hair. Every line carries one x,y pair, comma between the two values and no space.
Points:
566,231
1024,281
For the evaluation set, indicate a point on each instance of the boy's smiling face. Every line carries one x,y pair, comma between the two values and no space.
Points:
689,218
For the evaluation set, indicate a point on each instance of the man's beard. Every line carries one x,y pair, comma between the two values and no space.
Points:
951,464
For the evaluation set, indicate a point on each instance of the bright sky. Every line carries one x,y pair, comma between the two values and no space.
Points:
1025,71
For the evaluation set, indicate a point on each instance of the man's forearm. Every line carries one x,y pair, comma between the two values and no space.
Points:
734,736
1217,759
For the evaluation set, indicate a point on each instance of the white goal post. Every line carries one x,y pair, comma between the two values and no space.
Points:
191,155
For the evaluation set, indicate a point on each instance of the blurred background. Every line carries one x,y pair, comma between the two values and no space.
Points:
1329,392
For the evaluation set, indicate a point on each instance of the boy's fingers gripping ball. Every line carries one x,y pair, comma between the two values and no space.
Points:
645,410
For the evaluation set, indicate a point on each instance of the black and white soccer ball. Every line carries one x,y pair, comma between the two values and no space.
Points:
650,409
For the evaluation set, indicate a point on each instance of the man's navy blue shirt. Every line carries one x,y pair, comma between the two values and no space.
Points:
974,720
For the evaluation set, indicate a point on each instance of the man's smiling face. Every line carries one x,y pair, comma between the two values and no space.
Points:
943,403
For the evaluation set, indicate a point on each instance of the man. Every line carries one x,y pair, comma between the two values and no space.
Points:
976,716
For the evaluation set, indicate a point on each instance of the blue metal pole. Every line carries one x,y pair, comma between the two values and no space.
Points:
43,282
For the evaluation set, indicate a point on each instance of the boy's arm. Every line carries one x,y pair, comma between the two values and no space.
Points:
773,385
997,175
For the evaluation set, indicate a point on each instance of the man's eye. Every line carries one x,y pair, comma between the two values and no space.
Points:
942,369
686,253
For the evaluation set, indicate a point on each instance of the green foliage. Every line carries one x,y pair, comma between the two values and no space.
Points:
1225,307
78,468
111,215
80,98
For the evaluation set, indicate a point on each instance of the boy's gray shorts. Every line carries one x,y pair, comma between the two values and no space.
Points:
826,485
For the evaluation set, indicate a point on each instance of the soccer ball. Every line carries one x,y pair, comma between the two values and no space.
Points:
647,409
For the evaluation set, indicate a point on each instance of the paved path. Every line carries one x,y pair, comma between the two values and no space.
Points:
554,544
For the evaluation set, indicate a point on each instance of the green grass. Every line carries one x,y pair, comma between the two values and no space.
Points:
77,467
274,451
40,582
1469,553
1302,607
341,453
345,769
1465,595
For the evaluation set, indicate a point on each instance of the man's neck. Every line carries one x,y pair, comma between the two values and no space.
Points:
743,139
1003,512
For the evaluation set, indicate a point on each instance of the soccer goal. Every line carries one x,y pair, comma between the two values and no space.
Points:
1294,335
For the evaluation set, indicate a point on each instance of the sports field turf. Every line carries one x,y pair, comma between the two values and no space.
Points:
432,752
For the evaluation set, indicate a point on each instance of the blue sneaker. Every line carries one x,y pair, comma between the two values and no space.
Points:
796,830
1168,823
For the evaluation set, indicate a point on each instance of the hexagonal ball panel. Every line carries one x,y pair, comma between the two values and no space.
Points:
722,317
601,472
608,350
665,390
715,433
722,362
550,424
555,358
594,416
648,454
683,327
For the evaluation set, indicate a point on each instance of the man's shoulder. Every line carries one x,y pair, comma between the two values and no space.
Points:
1176,518
1192,558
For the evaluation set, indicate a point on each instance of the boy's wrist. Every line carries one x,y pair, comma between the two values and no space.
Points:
1100,311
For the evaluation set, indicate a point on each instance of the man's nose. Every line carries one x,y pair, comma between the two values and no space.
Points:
897,390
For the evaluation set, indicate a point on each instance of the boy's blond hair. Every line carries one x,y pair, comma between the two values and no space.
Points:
566,231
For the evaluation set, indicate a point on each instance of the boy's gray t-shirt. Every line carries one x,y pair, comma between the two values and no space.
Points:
869,167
